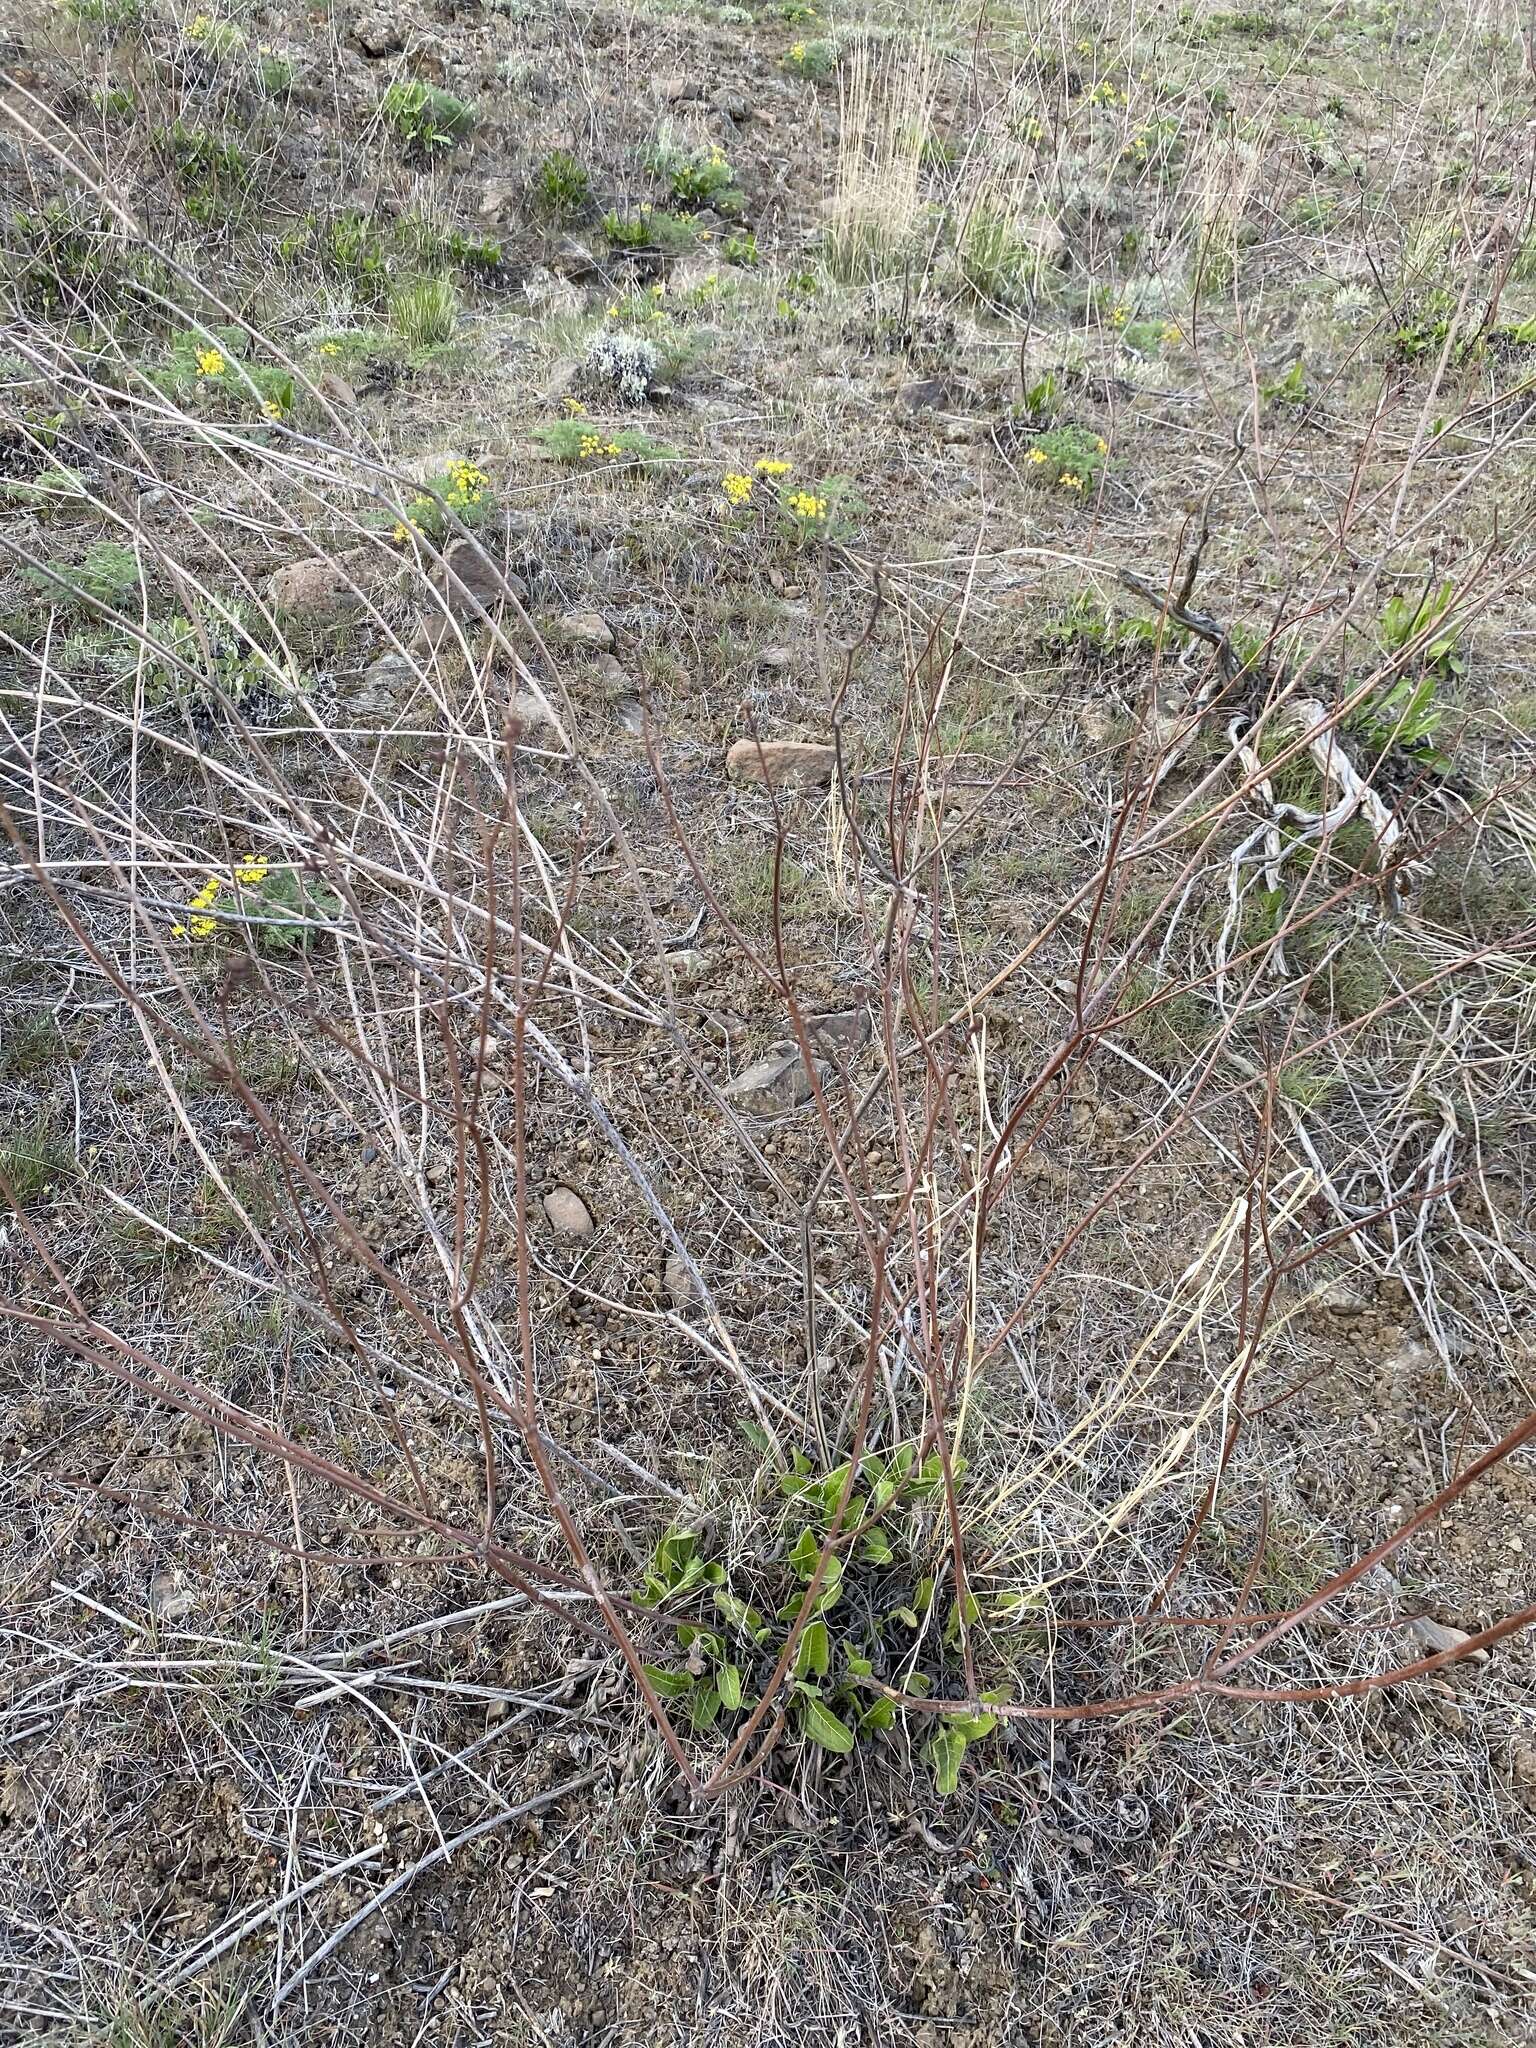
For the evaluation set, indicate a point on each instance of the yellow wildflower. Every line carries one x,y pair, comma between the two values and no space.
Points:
1102,446
330,348
466,484
1037,455
1070,482
252,871
797,53
402,531
272,409
199,924
1170,334
210,363
737,488
806,505
575,407
770,465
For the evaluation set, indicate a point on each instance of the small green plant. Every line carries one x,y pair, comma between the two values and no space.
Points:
563,185
48,489
30,1045
427,119
287,911
814,60
823,510
460,493
1291,389
116,102
995,264
62,254
1071,458
652,229
879,1622
206,369
696,177
1404,624
278,906
106,576
1084,627
1147,337
482,255
1305,1084
194,661
216,37
214,173
274,74
352,247
1038,404
34,1159
578,444
112,14
740,249
425,312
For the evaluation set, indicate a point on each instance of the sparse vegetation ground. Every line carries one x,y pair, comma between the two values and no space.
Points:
766,1084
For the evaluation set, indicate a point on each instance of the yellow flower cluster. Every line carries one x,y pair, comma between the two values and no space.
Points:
1038,457
592,447
797,53
1105,95
1118,316
248,873
330,348
806,505
1171,334
466,484
199,28
636,307
1069,481
200,925
771,466
574,407
737,488
272,409
210,363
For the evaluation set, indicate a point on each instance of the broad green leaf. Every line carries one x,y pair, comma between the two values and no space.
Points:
879,1714
813,1652
875,1547
805,1553
831,1586
739,1614
820,1725
670,1685
728,1684
944,1754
